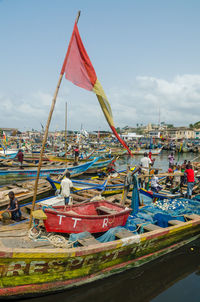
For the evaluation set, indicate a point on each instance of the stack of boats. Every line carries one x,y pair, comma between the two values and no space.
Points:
106,228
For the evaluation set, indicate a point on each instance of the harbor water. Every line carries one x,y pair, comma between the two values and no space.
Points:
173,277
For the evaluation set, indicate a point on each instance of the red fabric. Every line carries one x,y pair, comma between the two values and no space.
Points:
77,65
170,170
120,140
190,175
150,154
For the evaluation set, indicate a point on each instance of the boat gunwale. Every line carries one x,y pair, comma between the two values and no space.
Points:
124,210
6,252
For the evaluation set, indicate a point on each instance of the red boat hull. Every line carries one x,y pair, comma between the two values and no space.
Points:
86,217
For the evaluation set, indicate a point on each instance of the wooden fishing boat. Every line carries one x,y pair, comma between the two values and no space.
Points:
8,153
162,194
31,268
93,217
98,166
23,191
142,151
31,173
62,159
104,187
108,185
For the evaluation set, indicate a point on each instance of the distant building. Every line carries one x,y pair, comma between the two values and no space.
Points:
179,133
131,136
197,133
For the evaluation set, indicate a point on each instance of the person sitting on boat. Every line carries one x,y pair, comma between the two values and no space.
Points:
13,207
155,186
66,185
189,172
20,157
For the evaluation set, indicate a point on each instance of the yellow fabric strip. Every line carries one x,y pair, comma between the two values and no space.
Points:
103,101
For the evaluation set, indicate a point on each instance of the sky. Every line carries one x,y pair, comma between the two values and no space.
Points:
146,54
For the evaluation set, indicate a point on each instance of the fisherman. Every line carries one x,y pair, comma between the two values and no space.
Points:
183,177
155,186
145,163
171,159
127,182
150,155
66,185
20,157
169,179
76,154
13,207
189,172
177,176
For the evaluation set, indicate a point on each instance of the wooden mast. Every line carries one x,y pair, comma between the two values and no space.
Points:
45,138
66,131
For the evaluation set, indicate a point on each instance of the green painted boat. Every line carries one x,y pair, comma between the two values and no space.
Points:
28,271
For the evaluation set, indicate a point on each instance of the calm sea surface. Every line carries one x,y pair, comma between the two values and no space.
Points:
173,278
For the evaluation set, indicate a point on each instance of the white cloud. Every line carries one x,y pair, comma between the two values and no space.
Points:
179,100
139,102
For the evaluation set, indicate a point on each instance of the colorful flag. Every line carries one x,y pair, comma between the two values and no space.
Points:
79,70
4,137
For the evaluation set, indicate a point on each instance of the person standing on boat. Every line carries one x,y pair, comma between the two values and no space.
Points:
145,165
150,155
177,176
13,207
76,154
171,160
183,177
190,180
20,157
66,185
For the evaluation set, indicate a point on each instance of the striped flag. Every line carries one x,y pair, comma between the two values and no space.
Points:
79,70
4,137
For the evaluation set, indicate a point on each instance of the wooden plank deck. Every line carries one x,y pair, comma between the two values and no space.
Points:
87,240
123,234
149,227
174,222
103,209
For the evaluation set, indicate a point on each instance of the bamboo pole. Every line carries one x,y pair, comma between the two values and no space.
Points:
66,130
45,139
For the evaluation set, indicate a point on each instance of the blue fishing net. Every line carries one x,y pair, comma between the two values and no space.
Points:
109,235
141,219
158,213
197,197
106,237
171,209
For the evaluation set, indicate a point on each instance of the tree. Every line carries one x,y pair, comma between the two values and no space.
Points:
170,126
197,125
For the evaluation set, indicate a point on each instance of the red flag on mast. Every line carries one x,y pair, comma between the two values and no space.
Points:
79,70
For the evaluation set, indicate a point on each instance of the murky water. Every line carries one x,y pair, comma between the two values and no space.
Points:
161,161
175,277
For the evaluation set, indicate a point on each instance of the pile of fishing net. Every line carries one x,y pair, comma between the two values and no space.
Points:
171,209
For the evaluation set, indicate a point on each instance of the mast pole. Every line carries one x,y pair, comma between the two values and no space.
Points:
45,138
66,130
